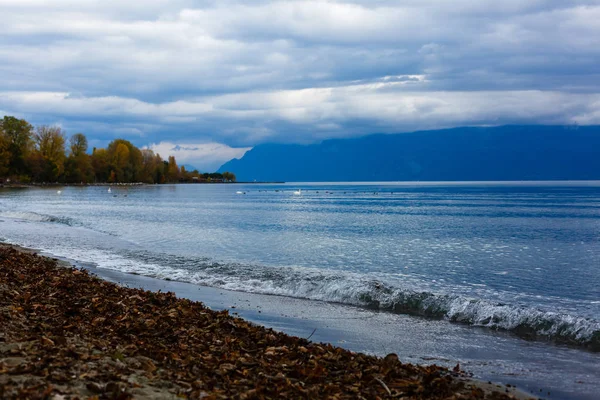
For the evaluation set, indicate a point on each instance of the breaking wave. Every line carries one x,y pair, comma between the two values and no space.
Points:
364,291
36,217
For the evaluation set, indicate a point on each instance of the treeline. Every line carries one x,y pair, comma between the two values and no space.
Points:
44,154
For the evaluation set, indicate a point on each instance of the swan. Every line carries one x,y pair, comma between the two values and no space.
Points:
298,192
239,192
109,190
58,192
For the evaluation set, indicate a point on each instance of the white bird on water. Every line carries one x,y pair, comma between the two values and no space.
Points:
109,190
58,192
298,192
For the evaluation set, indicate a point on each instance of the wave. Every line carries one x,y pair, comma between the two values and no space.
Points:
37,217
349,288
364,291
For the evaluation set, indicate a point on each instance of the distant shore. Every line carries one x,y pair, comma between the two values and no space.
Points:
57,184
66,333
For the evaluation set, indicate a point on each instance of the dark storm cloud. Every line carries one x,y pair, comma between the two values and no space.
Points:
197,73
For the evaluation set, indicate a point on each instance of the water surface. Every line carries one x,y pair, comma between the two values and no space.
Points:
521,258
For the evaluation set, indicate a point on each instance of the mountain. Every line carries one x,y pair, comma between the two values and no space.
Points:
531,152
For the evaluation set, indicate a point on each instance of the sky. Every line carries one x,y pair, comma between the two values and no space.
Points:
206,80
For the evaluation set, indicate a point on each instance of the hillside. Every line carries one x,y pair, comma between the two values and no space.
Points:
495,153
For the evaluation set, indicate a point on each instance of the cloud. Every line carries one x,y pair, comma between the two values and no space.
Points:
390,105
207,157
242,73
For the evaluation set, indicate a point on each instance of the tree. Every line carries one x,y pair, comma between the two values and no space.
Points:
41,155
16,136
79,167
229,176
126,160
100,165
161,169
120,160
4,154
39,168
79,144
147,173
173,171
50,143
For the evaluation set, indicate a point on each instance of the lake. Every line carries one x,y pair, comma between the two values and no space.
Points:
518,261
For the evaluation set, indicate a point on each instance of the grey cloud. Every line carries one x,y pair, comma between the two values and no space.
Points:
242,73
301,115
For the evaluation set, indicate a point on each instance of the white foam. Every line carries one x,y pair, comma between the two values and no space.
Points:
357,289
362,290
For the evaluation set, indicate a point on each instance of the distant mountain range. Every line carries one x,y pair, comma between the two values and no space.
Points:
532,152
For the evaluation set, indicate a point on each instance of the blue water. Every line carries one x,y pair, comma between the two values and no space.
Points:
517,257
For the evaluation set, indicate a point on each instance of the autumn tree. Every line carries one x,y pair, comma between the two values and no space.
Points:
173,171
16,142
229,176
148,166
194,176
78,144
4,154
50,144
79,167
120,159
125,160
161,169
100,165
41,155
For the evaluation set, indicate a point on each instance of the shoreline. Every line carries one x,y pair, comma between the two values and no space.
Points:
104,184
57,184
373,388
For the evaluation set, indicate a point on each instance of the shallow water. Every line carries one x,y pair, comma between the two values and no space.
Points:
519,257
